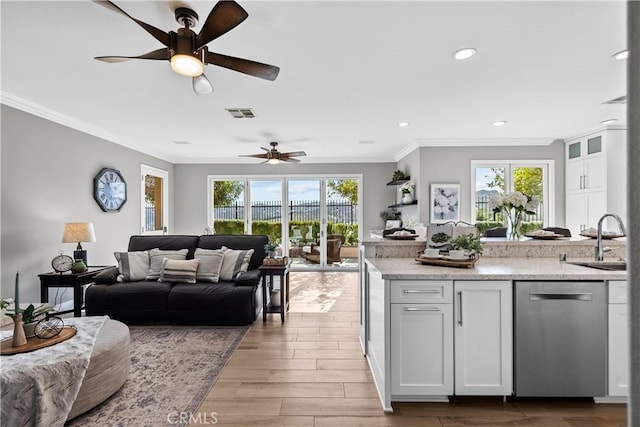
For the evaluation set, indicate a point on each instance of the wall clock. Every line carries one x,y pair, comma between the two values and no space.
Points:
109,190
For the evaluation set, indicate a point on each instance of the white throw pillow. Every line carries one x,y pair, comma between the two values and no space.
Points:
155,260
182,271
210,264
132,266
234,263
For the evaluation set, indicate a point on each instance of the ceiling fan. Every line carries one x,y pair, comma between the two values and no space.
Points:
187,51
273,156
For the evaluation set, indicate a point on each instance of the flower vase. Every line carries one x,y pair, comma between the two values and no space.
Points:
19,339
407,199
514,225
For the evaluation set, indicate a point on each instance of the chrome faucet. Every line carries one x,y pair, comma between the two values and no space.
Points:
599,249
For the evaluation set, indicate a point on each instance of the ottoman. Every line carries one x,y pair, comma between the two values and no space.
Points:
108,368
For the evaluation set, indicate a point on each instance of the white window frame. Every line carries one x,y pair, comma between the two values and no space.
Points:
548,188
161,173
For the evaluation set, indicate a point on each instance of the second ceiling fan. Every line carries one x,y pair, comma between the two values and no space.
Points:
273,156
187,51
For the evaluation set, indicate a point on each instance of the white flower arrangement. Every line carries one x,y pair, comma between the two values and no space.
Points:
515,200
407,187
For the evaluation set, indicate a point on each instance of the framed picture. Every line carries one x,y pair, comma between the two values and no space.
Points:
392,223
445,203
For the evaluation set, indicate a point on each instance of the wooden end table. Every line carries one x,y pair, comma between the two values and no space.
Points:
69,280
271,271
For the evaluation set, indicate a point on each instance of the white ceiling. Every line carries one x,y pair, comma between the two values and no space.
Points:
350,71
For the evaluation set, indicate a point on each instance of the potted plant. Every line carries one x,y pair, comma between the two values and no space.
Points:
407,192
466,245
270,248
30,315
398,175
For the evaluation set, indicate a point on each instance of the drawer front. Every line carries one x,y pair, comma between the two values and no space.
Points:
422,291
617,292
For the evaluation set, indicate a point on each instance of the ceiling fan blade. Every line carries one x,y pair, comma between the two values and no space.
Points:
266,149
246,66
224,16
288,159
157,33
159,54
259,156
295,154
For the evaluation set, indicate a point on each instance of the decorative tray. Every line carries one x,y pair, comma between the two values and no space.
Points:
35,343
445,261
402,237
605,235
544,236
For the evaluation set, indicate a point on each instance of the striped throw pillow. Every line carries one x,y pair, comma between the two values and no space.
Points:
234,263
182,271
210,264
156,256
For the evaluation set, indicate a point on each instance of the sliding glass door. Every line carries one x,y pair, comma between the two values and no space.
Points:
312,220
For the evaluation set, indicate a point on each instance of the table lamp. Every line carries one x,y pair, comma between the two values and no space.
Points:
78,232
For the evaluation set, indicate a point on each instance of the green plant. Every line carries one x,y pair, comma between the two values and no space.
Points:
398,175
31,313
468,242
440,237
390,214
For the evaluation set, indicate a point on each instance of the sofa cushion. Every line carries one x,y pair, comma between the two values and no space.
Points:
236,241
156,257
179,271
132,266
165,243
234,262
210,264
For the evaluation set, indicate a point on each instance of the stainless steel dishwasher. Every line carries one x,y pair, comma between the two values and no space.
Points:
560,339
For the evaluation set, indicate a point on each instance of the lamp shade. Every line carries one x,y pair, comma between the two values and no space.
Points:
76,232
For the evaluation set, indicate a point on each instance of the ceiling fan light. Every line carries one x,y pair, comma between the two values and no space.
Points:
202,85
273,161
186,65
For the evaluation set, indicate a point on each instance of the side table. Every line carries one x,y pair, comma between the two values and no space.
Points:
69,280
271,271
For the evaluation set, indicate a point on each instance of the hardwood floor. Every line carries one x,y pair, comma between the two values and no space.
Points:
310,371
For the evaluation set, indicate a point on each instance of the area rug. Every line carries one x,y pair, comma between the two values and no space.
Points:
314,292
172,370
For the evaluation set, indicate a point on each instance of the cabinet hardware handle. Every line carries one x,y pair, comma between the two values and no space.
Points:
580,186
584,182
422,309
460,311
580,296
421,291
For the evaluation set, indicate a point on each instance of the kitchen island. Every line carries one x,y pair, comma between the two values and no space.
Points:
430,332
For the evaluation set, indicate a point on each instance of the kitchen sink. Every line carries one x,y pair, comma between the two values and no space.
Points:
603,265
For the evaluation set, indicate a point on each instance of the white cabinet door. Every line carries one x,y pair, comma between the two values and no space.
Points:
596,207
483,338
421,350
595,172
576,212
618,339
574,174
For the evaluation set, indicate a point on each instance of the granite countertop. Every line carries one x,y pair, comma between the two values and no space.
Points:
494,269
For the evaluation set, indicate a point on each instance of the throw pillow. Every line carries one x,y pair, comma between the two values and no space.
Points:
210,264
182,271
132,266
234,262
155,260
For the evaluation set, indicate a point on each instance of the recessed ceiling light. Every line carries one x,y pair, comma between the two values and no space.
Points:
608,121
182,142
403,124
623,54
464,53
366,142
500,123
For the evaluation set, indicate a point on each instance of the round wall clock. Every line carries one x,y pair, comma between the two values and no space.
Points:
109,190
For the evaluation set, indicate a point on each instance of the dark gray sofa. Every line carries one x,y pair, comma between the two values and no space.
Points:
223,303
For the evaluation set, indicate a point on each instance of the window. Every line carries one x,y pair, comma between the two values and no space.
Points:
530,177
155,200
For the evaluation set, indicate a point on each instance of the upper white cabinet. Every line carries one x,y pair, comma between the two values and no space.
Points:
595,178
483,337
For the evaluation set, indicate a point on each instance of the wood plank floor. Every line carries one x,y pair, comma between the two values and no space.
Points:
310,371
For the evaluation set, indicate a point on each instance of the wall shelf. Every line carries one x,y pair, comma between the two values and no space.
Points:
400,205
399,181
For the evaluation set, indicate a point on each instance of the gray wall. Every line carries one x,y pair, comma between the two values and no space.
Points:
453,165
190,202
410,165
47,180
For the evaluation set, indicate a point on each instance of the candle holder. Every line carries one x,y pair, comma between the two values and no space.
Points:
19,338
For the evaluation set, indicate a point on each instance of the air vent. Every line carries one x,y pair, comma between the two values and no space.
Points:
241,113
620,100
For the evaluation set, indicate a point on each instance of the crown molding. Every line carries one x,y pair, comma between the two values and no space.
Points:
483,142
70,122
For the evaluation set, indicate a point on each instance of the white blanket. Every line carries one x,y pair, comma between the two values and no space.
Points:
39,387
